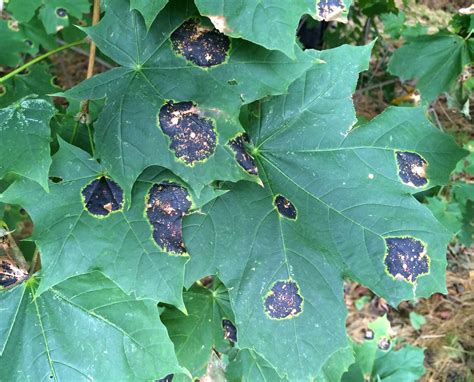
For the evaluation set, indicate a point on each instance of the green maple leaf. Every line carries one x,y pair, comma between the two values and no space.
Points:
376,359
54,14
251,20
199,96
85,328
201,330
434,61
75,234
336,203
25,125
248,366
149,9
38,80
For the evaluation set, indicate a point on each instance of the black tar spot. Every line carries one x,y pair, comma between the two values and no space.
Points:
369,334
167,204
10,274
192,137
284,300
285,207
406,258
327,9
102,196
203,46
230,331
61,12
412,168
384,344
168,378
245,160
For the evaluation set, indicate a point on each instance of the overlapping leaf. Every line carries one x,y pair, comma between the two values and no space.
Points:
198,333
153,72
252,20
86,328
336,203
148,8
116,239
25,138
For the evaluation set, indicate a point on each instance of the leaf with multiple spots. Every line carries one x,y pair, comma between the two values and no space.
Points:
175,99
85,328
336,203
54,14
207,326
84,223
251,19
25,137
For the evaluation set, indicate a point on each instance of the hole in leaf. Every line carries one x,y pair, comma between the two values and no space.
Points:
411,168
230,331
406,258
330,9
10,274
245,160
202,45
285,207
167,203
168,378
193,137
284,300
102,196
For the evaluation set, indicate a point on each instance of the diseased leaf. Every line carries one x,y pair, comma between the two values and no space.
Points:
84,223
25,138
38,80
203,329
11,44
376,359
353,216
175,100
434,61
251,20
53,13
85,328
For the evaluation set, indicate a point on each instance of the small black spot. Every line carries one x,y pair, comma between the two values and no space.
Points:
167,203
29,42
203,46
22,211
329,9
284,300
168,378
61,12
10,274
384,344
285,207
102,196
192,136
369,334
232,82
406,258
245,160
55,179
411,168
230,331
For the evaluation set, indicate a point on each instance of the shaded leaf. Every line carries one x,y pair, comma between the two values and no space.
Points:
25,137
85,328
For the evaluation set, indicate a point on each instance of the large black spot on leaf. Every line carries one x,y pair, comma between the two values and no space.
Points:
202,45
406,258
411,168
284,300
230,331
245,160
10,274
285,207
166,206
102,196
193,137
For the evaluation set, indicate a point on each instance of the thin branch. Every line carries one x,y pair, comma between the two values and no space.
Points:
40,58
